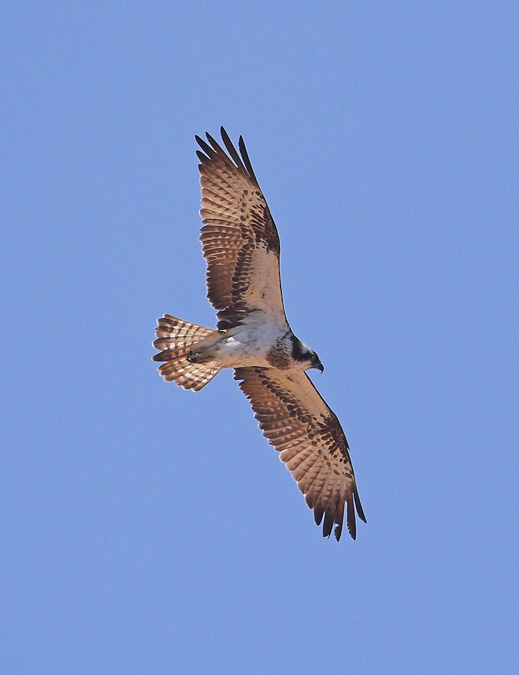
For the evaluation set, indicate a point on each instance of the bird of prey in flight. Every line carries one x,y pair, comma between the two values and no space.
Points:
240,244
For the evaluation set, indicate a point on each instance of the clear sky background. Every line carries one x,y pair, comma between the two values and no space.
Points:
146,529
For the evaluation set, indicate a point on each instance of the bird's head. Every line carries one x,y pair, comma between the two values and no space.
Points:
306,356
315,362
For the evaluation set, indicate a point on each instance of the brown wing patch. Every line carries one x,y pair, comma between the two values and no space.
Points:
297,422
239,238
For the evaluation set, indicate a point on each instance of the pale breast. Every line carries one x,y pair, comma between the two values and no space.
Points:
248,346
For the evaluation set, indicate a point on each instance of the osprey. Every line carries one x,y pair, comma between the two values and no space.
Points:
241,246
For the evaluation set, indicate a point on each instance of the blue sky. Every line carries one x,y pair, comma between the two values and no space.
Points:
146,529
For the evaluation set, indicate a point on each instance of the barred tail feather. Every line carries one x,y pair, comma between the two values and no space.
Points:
175,339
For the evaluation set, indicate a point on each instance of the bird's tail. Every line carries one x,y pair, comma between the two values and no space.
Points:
176,339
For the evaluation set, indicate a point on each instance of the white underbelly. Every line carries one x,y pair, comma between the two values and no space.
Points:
244,349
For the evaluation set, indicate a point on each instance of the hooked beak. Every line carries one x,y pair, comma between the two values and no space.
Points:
319,366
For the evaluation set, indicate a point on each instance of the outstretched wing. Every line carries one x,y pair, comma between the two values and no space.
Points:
239,238
298,423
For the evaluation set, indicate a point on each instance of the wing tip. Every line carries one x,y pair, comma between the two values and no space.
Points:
358,505
213,149
225,136
335,517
